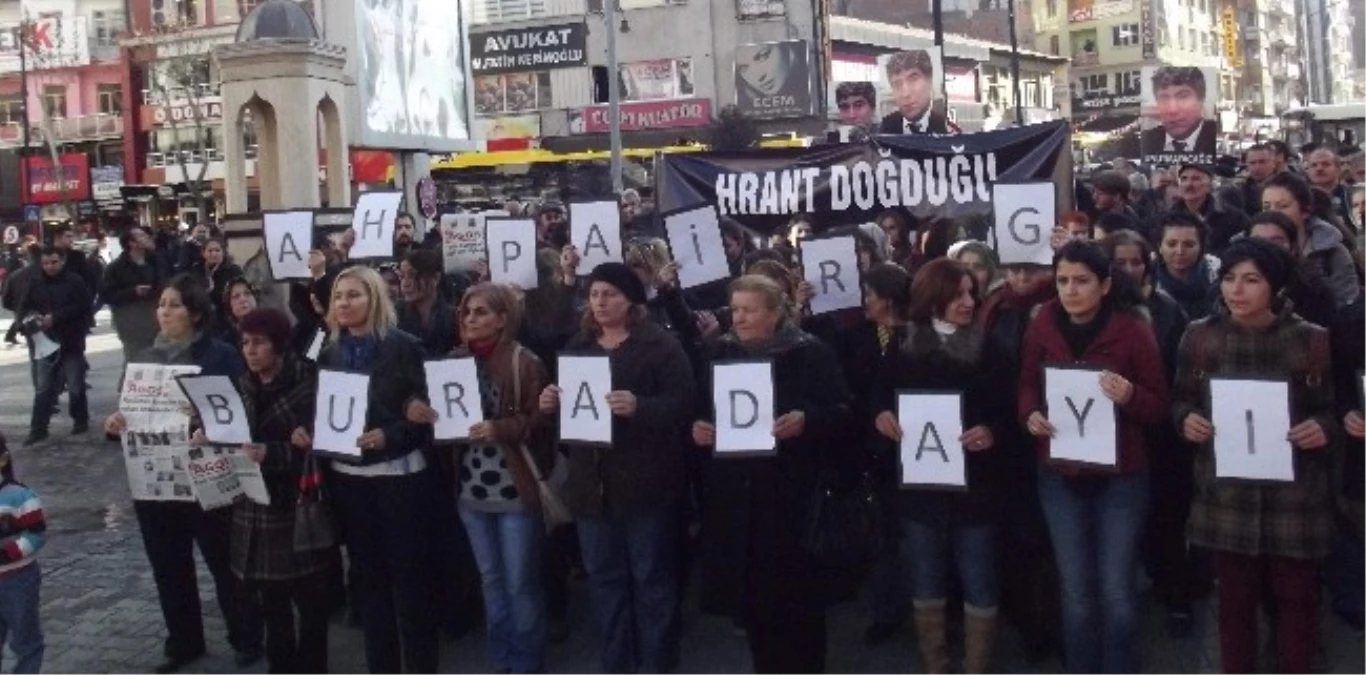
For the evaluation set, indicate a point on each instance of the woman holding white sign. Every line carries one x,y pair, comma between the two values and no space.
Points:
499,472
625,497
941,350
170,530
1095,515
384,502
753,522
1263,533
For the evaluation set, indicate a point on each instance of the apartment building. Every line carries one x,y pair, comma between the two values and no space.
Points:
63,86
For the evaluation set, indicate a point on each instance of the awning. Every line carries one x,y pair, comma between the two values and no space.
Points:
654,138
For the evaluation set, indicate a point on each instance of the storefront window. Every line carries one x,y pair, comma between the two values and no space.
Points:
656,79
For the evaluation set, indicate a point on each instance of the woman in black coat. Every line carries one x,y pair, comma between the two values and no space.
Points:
753,519
216,269
170,529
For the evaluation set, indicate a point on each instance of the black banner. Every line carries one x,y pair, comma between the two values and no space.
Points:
850,183
527,49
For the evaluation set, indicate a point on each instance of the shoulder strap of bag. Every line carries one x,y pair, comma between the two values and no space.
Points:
517,396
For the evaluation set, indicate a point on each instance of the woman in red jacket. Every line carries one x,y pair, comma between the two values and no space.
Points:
1095,516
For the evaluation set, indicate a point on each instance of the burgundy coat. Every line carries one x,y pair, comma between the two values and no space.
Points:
1125,346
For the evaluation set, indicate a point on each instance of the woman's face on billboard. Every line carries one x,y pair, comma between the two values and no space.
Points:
767,71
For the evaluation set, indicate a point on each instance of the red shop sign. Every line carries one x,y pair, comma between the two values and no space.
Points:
639,115
70,181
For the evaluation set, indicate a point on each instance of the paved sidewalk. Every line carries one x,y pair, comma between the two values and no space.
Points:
100,610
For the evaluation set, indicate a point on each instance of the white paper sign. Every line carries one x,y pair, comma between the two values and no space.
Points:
462,240
155,463
343,400
222,475
289,236
695,240
316,346
150,397
831,267
1251,420
220,408
595,230
584,384
44,346
1025,215
512,251
453,389
742,396
373,221
1083,417
931,425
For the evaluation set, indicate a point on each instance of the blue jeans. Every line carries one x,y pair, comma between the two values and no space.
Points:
1095,526
927,547
49,374
20,627
630,562
507,548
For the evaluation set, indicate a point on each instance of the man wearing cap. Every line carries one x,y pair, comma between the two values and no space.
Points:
551,226
1179,93
1195,184
911,75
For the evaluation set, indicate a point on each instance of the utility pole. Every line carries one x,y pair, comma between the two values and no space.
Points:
609,17
937,11
1015,62
22,39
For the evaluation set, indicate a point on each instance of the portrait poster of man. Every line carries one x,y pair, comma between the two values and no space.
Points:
1179,119
913,81
773,79
853,105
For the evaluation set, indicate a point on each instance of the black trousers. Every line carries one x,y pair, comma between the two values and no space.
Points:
288,651
170,531
387,524
1167,559
793,646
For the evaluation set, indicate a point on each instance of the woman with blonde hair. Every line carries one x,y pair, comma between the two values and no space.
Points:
384,500
498,471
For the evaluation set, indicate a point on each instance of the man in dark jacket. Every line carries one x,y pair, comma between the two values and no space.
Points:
1221,224
911,75
132,284
16,285
61,304
1110,191
1262,162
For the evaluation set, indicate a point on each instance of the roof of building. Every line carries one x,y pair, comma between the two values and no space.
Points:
275,19
849,29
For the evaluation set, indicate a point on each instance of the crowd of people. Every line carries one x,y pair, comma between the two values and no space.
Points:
1159,284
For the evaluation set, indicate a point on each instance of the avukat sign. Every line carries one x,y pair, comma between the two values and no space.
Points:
851,183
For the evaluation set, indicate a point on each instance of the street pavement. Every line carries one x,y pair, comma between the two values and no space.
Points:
100,610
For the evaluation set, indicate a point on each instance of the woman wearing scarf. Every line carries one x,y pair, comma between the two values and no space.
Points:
170,530
1095,516
752,520
941,349
1264,535
625,497
278,392
384,500
499,499
1184,271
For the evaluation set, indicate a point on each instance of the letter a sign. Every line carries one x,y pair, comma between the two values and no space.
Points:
289,236
584,384
219,406
931,456
742,396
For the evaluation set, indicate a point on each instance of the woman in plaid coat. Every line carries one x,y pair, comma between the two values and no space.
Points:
1263,534
278,392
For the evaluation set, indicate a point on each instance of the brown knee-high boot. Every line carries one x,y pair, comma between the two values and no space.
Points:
979,635
929,634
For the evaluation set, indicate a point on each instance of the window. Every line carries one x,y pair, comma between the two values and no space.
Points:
106,26
110,97
172,12
54,98
656,79
1204,43
1098,84
511,93
1053,47
11,109
1124,35
493,11
1180,38
1129,83
1052,8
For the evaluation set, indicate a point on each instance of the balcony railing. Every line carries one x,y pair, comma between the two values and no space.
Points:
195,92
64,130
1085,59
157,160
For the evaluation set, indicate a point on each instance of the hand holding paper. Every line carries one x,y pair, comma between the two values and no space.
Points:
622,403
704,434
790,425
1196,429
1308,435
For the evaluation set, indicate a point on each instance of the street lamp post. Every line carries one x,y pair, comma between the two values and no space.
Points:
609,17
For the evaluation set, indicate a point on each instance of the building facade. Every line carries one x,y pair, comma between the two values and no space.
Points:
62,89
1330,55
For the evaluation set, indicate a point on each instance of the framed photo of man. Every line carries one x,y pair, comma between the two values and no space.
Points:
1179,122
913,83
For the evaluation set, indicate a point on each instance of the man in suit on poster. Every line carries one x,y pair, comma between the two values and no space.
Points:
911,76
1179,95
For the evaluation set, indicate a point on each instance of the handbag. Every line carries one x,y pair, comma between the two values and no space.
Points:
845,525
553,510
313,528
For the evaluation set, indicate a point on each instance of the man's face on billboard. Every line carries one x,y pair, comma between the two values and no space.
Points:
1180,109
913,92
856,110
